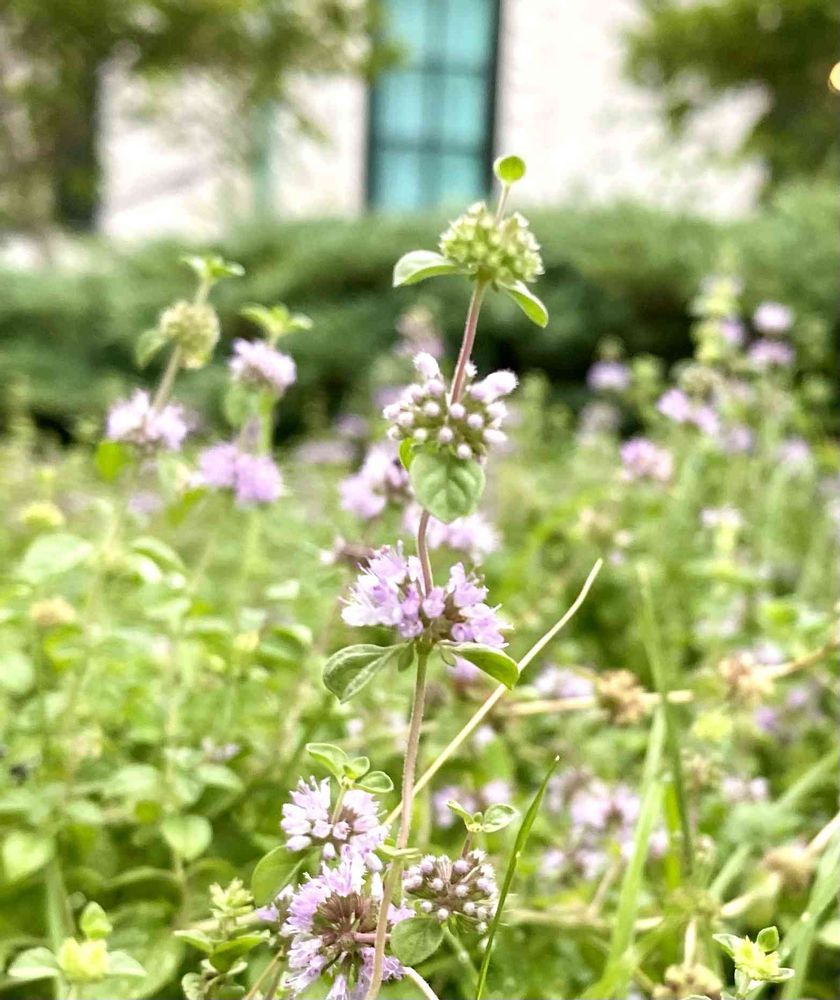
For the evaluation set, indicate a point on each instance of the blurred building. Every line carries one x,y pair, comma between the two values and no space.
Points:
541,78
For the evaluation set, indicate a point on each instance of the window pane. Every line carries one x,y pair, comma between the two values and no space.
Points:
406,25
397,182
469,32
398,110
464,118
462,178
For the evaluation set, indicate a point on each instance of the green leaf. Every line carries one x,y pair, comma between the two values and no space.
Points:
219,776
407,452
415,939
471,820
492,661
497,817
34,963
333,758
527,302
159,552
509,169
225,956
147,345
110,459
198,939
120,963
188,836
729,942
274,871
518,847
356,768
446,486
768,939
377,782
51,555
25,853
94,922
349,670
419,265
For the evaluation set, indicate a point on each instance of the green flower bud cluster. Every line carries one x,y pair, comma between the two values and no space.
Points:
83,961
194,327
501,251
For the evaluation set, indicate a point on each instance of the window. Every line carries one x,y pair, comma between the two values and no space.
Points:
431,117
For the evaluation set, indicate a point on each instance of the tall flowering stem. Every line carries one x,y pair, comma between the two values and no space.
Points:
470,328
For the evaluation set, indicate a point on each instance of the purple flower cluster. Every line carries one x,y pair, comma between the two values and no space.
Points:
380,481
765,354
387,592
773,319
608,376
642,459
254,479
677,406
424,414
311,819
561,682
257,363
600,815
136,421
331,921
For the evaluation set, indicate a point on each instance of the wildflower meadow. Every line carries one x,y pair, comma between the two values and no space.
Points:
475,695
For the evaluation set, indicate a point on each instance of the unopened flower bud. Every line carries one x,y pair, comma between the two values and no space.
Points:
194,327
622,697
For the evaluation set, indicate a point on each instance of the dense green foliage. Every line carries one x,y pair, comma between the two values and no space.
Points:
161,659
66,338
693,54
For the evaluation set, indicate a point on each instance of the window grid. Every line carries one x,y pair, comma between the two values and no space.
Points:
430,154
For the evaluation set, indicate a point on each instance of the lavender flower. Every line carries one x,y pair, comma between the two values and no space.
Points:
795,452
136,421
387,592
331,921
732,331
463,890
772,319
424,413
677,406
381,480
766,354
310,819
738,789
560,682
737,439
642,459
254,479
608,376
598,418
257,363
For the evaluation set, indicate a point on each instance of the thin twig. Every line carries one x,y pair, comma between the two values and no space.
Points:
420,983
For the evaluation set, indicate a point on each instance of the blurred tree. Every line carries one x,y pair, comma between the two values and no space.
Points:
53,53
697,52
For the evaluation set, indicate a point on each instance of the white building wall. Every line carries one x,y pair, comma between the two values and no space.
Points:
562,104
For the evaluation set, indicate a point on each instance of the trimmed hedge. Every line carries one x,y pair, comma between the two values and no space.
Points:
625,270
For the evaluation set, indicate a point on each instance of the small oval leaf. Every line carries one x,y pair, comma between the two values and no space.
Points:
497,817
527,302
419,265
349,670
273,872
494,662
377,782
446,486
333,758
415,939
188,836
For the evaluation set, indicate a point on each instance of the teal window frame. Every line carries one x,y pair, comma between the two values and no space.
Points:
432,152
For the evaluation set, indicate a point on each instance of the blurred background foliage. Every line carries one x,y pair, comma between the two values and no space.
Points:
695,53
625,271
53,54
